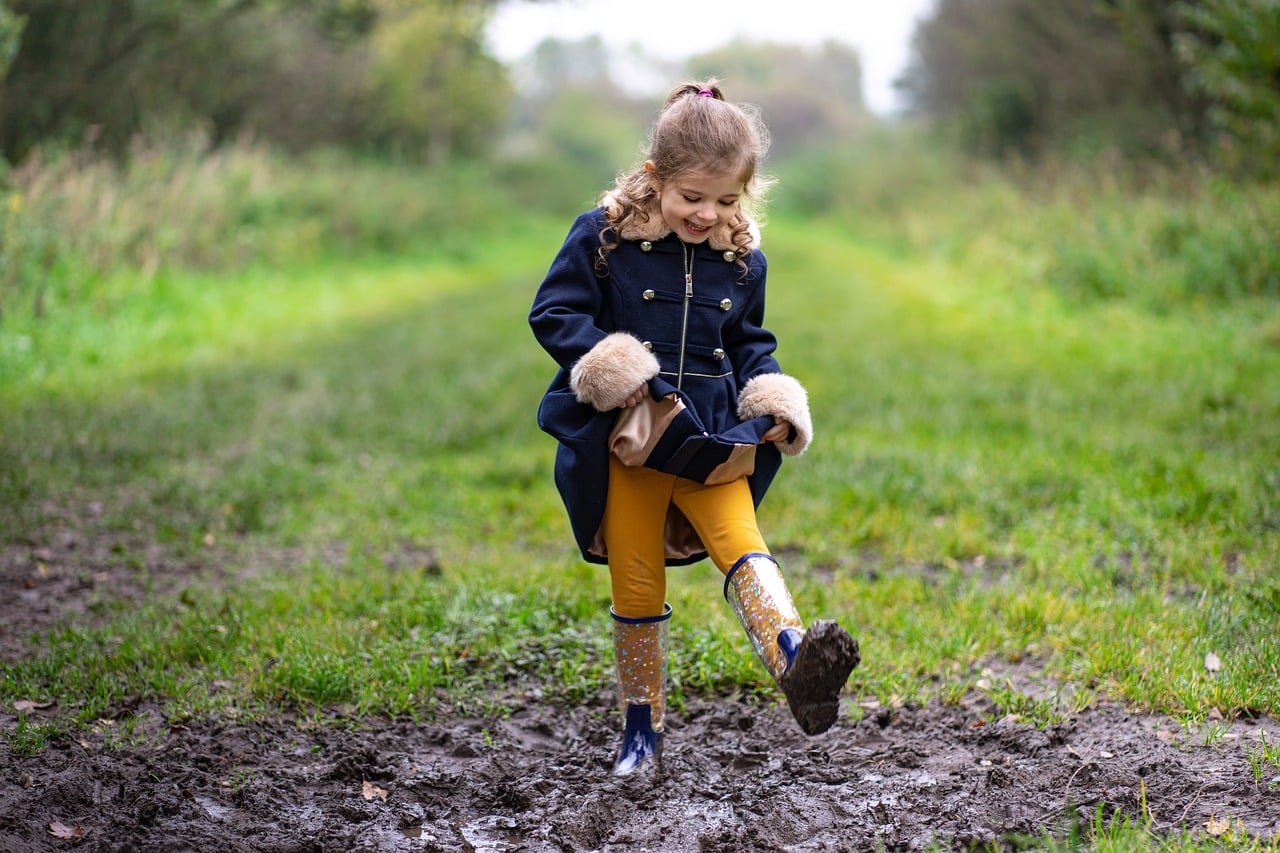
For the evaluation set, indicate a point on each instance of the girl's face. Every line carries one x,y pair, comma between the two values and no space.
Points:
695,203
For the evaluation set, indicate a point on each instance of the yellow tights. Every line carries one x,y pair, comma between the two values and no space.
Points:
635,513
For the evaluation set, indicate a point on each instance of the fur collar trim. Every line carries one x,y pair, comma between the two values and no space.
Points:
655,228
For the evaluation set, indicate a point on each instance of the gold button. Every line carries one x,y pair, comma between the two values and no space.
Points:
648,294
726,304
648,345
646,246
730,255
718,353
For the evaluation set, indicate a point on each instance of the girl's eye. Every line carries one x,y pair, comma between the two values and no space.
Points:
693,200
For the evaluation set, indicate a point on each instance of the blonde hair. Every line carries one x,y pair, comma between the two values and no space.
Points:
697,131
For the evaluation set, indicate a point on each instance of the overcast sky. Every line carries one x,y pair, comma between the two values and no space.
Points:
880,30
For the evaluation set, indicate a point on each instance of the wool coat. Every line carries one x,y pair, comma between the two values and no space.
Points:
684,321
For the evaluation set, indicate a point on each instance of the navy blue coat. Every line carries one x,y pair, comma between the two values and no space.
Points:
643,293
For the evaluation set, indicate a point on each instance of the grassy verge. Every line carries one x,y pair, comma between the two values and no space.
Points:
999,477
1010,474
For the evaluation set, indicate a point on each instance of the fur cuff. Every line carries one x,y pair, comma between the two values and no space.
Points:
781,396
611,371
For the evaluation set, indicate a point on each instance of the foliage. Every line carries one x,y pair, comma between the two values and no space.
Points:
807,95
1023,76
1232,49
1155,237
69,224
1151,78
11,25
298,74
572,127
431,78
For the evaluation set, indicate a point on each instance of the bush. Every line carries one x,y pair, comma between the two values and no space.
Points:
1096,229
70,219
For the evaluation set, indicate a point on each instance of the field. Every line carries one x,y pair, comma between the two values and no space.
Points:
285,568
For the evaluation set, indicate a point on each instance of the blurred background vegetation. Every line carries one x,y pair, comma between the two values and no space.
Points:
150,134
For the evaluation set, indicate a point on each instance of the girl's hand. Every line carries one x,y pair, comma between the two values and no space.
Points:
778,432
636,398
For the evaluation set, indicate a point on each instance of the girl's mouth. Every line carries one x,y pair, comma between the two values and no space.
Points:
694,228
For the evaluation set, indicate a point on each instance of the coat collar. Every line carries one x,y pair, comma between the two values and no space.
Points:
655,228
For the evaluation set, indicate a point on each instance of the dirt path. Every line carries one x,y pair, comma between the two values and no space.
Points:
738,774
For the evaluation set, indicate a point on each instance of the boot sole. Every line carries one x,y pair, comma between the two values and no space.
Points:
813,682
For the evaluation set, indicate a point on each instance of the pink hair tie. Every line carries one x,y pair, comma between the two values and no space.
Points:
707,93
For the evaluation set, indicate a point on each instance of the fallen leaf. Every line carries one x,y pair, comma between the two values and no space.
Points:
1212,662
1217,826
372,791
25,706
58,829
1106,754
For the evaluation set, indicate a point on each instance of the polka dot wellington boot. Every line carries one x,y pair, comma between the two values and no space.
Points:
811,667
639,646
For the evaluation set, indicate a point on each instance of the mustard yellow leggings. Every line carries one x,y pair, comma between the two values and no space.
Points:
635,514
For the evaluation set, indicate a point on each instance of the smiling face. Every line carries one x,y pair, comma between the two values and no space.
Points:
695,203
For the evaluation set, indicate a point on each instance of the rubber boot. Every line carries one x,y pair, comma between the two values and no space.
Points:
811,667
640,647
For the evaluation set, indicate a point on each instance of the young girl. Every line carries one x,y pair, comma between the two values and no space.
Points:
672,414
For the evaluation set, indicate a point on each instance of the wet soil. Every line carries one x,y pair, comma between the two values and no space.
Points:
737,773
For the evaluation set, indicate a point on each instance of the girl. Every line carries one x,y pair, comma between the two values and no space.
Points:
672,414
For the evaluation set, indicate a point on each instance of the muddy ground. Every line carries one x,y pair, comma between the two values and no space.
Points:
737,773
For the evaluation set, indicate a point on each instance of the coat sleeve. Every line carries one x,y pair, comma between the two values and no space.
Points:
603,366
765,389
750,344
566,308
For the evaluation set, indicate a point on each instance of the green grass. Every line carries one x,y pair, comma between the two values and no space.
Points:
1095,486
1002,475
1092,485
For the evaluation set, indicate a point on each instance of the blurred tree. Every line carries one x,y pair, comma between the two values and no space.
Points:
435,87
1232,51
578,127
571,128
76,61
1020,76
808,97
569,102
10,35
298,72
556,64
1149,29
